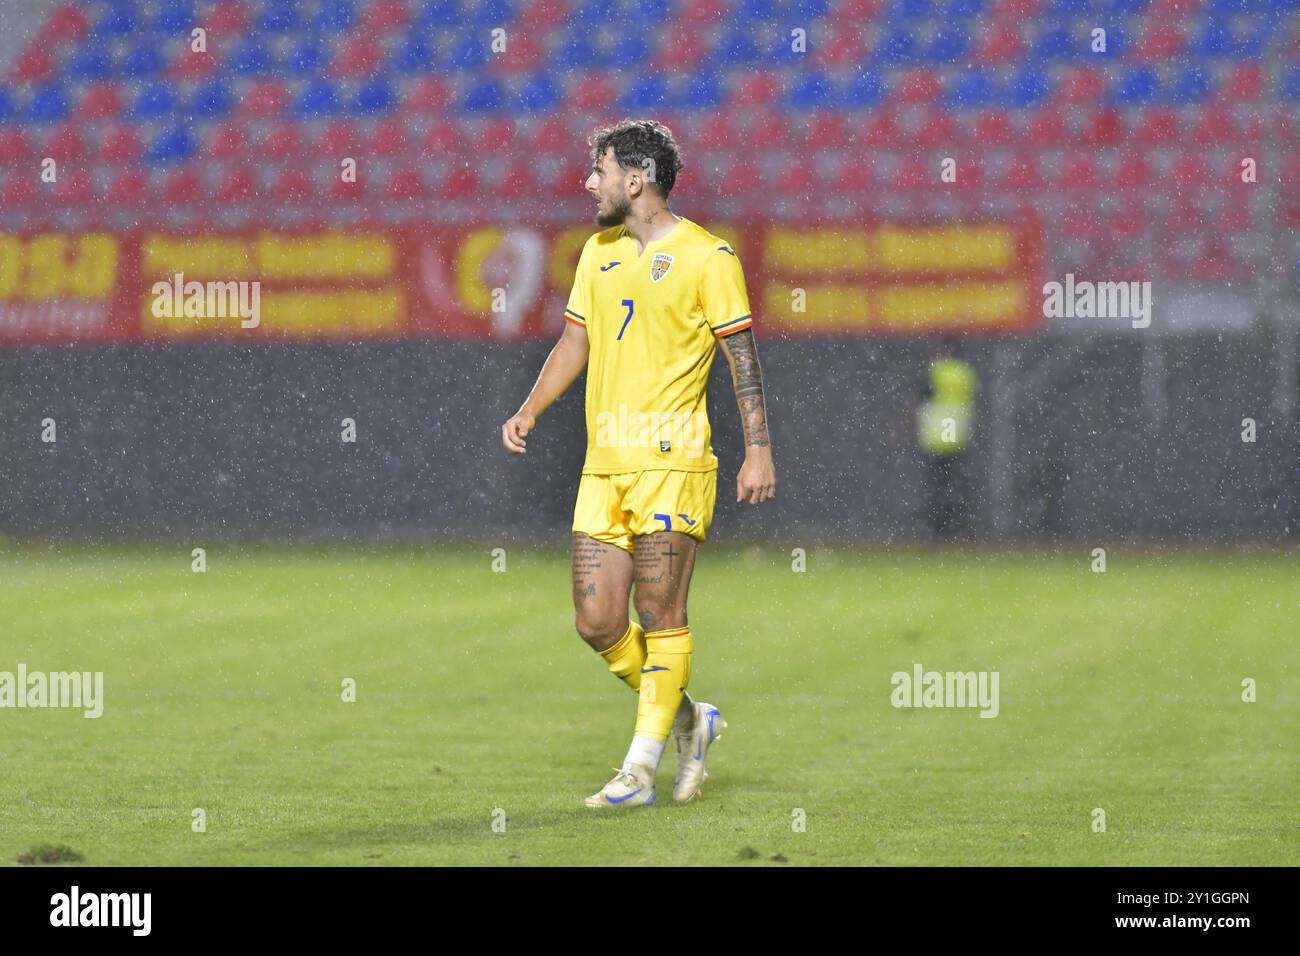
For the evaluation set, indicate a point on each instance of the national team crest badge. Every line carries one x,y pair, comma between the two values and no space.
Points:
660,265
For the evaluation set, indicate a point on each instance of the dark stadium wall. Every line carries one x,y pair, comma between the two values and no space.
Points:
220,440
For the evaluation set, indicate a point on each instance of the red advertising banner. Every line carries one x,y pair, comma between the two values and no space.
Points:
497,282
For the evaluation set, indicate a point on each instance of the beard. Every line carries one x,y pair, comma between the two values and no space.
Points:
616,212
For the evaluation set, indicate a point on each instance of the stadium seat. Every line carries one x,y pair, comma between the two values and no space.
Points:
182,186
237,186
359,56
128,188
20,189
227,141
212,100
1157,125
172,145
283,141
36,64
154,101
539,94
100,101
428,94
15,148
64,143
49,104
318,100
120,144
460,183
293,185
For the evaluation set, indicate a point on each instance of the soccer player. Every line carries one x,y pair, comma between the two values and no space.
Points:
653,297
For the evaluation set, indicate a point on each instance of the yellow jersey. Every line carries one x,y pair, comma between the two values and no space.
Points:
653,318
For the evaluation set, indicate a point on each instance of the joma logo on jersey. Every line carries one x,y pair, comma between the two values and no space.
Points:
660,265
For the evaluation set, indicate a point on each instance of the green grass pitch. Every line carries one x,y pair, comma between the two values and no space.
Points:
476,703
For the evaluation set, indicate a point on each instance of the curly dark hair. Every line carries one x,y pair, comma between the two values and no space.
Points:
636,144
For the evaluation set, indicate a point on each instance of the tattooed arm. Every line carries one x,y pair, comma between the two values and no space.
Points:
756,481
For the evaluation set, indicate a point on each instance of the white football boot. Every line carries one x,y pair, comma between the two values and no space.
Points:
692,747
633,786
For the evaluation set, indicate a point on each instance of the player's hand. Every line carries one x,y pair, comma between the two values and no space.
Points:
756,481
514,431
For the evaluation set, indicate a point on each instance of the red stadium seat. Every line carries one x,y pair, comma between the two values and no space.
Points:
1133,172
34,65
855,179
841,50
1235,217
715,131
797,178
406,183
1081,84
239,185
130,188
65,143
679,52
20,189
189,65
994,128
1046,128
551,136
389,138
1022,173
227,141
1104,128
912,174
756,89
1216,125
1157,125
15,148
265,98
938,129
100,101
73,189
228,18
918,86
706,12
827,131
494,135
880,132
282,142
461,183
359,56
293,185
999,45
68,22
523,54
343,190
339,138
442,139
591,91
183,186
1189,171
385,17
1077,172
427,94
770,132
1128,223
1160,40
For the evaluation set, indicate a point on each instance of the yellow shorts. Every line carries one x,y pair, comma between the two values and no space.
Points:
617,508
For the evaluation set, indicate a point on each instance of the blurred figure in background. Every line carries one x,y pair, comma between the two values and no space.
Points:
944,422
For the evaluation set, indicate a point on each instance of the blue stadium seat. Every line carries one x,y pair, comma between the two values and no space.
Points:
910,10
864,89
646,91
736,47
89,62
629,47
155,100
414,55
335,16
471,53
704,90
494,13
539,93
438,13
308,57
948,45
1056,43
279,16
750,11
319,99
483,97
1260,31
212,99
6,105
48,104
576,52
802,10
1191,85
974,88
172,146
809,91
375,96
252,58
176,17
1290,84
1214,39
962,9
118,20
897,47
1136,86
1030,85
142,62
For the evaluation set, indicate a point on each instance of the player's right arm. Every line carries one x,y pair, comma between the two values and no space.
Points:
565,363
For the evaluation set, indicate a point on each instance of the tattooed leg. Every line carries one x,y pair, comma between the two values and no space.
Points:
602,580
663,562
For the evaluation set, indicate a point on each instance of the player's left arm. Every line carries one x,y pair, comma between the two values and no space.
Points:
756,481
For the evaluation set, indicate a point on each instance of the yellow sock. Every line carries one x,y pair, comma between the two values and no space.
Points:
667,672
627,656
